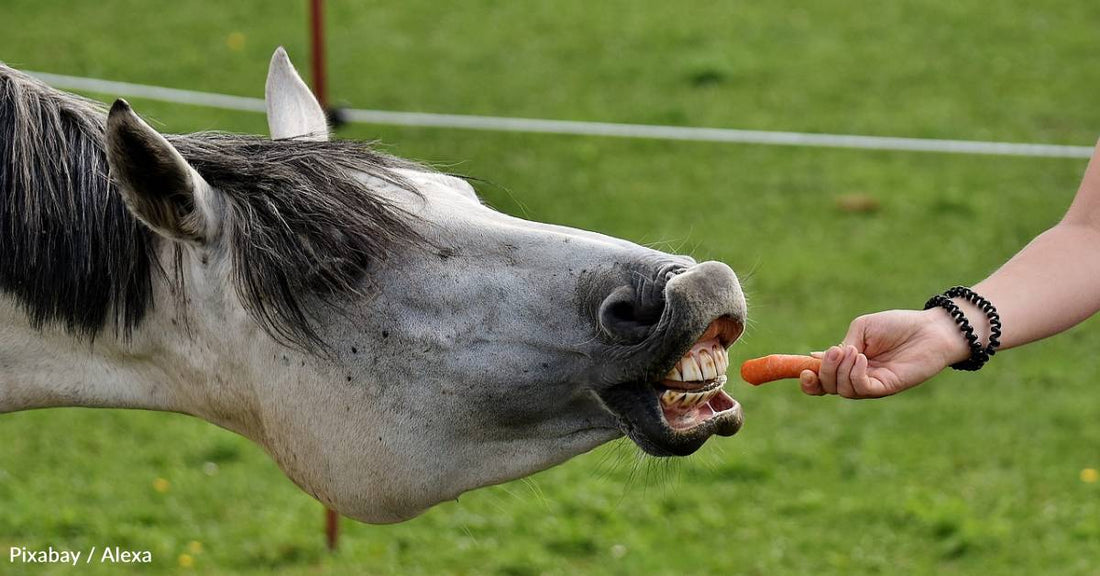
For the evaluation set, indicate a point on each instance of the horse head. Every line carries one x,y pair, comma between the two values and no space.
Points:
387,337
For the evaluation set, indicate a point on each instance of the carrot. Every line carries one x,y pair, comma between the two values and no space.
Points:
776,367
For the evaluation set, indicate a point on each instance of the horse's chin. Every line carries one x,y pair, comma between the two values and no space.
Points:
675,415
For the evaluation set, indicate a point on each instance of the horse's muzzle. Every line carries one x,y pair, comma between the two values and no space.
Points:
677,400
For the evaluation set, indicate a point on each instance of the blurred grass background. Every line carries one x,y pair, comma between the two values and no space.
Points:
967,474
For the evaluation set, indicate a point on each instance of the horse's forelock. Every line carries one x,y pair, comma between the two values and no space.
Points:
300,221
301,226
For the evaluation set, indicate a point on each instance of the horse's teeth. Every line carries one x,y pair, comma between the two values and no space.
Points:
685,400
672,397
692,399
690,370
721,359
706,362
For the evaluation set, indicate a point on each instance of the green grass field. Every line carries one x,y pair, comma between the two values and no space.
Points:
968,474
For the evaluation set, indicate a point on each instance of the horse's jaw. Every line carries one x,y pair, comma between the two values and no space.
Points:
383,463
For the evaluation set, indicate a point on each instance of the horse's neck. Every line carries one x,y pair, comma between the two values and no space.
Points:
42,368
162,367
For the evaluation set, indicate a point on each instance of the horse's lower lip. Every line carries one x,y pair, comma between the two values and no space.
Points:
684,410
644,420
691,413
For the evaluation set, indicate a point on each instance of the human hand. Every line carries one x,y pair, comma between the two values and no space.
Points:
886,353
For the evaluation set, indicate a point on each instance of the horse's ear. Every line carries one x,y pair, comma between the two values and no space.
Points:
158,185
292,111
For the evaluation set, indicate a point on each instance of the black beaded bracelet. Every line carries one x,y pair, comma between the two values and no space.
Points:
990,313
978,355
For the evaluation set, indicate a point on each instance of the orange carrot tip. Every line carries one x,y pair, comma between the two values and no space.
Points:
777,367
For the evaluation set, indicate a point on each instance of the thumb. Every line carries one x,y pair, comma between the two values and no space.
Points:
857,332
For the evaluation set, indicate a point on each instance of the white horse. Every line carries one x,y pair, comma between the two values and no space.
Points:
389,340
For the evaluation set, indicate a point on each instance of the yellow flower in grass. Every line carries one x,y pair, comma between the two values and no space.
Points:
235,41
194,547
1090,475
161,485
186,561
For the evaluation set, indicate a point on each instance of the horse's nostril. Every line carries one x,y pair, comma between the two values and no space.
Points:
625,317
623,311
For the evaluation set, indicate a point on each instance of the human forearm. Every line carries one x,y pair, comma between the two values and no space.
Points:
1049,286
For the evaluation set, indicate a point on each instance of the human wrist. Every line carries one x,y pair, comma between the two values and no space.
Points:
949,343
978,319
954,335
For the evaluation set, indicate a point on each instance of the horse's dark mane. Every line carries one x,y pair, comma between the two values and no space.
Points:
299,223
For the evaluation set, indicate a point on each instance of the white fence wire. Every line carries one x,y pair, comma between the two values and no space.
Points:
535,125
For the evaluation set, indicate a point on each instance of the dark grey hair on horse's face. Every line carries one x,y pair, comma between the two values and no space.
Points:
298,220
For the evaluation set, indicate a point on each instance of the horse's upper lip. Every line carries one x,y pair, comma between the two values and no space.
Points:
726,329
675,416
